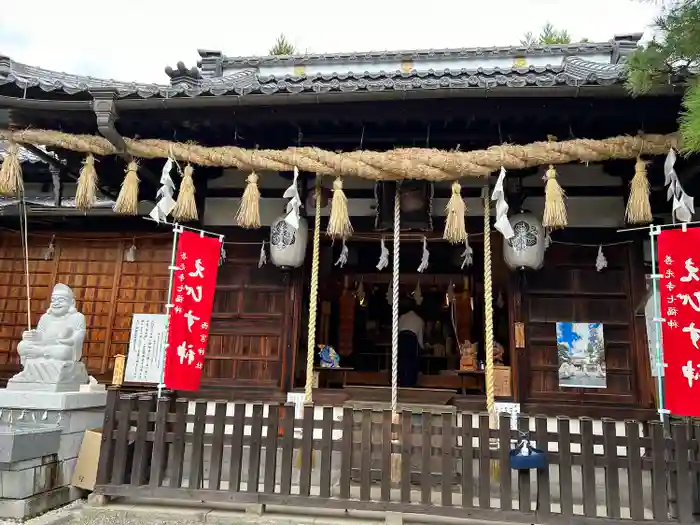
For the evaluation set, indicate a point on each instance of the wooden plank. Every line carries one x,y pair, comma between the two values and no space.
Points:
307,443
196,477
406,453
612,475
588,468
254,449
138,472
634,470
288,424
524,475
159,456
346,453
695,457
426,474
467,457
566,497
217,446
236,460
105,463
106,349
681,456
273,420
326,452
386,455
366,455
178,449
544,499
484,462
659,500
447,464
121,447
504,447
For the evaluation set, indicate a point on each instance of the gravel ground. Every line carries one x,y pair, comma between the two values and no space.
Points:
59,515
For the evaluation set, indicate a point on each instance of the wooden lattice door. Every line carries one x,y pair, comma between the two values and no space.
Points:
569,288
252,323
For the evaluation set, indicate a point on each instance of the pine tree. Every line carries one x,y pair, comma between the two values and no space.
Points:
548,36
673,56
282,47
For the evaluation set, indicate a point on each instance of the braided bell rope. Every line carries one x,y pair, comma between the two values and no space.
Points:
395,303
488,306
404,163
313,298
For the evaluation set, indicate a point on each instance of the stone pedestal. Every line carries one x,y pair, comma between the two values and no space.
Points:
40,436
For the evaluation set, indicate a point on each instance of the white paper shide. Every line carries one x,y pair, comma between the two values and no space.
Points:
146,346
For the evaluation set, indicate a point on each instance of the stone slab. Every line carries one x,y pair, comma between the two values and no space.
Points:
22,509
29,400
23,441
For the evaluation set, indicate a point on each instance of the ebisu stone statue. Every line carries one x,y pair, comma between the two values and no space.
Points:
50,354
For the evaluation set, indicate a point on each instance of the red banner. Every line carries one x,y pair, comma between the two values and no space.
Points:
192,300
679,263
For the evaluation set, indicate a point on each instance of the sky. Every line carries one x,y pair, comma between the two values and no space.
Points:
136,39
575,335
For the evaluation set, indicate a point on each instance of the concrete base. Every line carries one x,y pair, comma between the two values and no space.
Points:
26,508
40,436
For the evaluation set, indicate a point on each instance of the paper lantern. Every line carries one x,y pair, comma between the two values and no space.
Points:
287,245
526,248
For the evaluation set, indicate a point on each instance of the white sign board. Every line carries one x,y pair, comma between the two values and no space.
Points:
146,347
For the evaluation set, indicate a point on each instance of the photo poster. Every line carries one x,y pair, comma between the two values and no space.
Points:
581,351
146,346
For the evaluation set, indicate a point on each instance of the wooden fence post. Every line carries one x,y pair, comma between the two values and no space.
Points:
105,464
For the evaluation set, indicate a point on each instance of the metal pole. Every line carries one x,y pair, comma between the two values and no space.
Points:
658,320
168,305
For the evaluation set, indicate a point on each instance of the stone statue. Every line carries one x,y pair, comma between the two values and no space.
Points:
50,354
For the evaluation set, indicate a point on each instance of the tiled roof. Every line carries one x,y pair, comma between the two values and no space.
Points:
580,48
573,71
24,155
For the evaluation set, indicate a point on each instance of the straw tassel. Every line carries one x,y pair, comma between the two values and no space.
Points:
554,205
86,193
128,199
339,226
455,229
248,215
11,172
186,207
638,206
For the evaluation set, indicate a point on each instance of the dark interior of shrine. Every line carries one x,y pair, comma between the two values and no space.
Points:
448,298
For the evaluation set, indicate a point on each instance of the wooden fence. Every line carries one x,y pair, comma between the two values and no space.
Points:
443,464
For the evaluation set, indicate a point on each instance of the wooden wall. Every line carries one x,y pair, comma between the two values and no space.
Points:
569,288
253,310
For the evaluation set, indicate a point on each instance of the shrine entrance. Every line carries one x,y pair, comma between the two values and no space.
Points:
356,319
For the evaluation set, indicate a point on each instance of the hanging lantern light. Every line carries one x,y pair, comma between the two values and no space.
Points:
288,244
525,249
